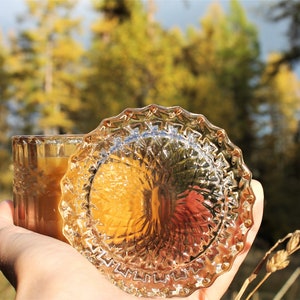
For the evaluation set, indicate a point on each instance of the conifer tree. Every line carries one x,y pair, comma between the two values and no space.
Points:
223,57
6,176
45,60
133,60
277,149
280,104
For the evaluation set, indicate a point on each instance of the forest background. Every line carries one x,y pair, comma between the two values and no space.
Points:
53,81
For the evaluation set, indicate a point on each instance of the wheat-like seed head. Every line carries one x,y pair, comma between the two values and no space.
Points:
293,243
278,261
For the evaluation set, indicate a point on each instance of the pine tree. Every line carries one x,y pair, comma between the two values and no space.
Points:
280,107
223,57
277,149
5,170
133,60
288,12
45,60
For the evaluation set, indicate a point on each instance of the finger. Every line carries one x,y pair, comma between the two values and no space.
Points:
6,212
225,280
6,223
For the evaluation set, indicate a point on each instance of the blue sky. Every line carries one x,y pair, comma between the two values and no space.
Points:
188,12
181,13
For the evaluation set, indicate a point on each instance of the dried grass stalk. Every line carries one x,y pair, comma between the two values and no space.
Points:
278,261
293,243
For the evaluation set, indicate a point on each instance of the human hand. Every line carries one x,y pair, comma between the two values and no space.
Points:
40,267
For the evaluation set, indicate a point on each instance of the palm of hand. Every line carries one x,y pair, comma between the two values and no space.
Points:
59,271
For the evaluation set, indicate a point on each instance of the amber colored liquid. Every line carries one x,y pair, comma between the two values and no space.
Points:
37,195
114,181
50,221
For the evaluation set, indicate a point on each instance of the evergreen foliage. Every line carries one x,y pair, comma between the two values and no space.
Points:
45,63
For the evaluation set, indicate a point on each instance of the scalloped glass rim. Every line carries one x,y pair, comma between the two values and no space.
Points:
217,166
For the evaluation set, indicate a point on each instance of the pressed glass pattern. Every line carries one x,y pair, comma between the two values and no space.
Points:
39,164
159,200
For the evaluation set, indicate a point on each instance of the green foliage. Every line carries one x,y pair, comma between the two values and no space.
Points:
3,70
5,170
44,62
278,147
289,12
223,57
279,96
131,67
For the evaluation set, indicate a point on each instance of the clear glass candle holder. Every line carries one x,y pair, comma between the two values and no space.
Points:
39,164
159,200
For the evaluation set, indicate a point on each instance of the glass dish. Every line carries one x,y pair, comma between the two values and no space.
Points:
159,200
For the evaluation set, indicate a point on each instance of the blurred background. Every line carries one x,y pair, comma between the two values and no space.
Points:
65,65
